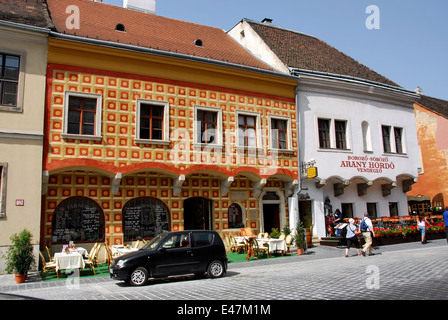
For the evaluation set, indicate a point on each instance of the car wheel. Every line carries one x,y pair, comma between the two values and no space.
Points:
215,269
139,277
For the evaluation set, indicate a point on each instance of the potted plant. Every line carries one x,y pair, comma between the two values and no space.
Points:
300,238
19,256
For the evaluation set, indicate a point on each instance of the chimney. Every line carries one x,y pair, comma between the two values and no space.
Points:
97,0
267,21
146,6
418,90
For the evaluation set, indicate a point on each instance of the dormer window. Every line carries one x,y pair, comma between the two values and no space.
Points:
198,42
120,27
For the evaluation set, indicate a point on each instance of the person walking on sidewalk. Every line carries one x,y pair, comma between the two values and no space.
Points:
352,237
368,233
421,225
445,217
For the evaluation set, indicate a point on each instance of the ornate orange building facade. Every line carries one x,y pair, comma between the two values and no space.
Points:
431,190
123,185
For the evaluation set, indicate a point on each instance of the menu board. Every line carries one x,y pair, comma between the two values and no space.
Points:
77,219
144,217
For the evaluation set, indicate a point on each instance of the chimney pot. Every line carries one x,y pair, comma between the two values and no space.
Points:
267,21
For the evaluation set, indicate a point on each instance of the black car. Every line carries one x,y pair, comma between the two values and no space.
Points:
173,253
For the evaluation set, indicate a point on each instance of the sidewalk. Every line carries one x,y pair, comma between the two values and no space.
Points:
8,286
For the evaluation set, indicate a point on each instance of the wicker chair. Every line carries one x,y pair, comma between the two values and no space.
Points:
47,266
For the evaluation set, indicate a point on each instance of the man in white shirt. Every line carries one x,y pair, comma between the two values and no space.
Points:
366,227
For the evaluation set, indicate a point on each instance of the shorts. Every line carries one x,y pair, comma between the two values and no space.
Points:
422,230
353,240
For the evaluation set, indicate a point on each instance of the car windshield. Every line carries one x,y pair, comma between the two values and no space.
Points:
154,242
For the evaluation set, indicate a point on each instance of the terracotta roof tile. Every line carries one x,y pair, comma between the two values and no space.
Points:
99,21
29,12
298,50
436,105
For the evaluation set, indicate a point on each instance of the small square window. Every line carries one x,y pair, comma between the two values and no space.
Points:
152,122
82,116
207,126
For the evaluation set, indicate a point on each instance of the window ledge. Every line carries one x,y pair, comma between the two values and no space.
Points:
152,141
207,145
81,137
243,148
9,108
287,151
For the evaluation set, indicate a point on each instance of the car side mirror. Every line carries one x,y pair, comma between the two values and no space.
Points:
162,250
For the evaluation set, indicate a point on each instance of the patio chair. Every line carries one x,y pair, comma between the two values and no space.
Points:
109,257
288,241
92,260
93,254
50,259
259,250
227,243
237,247
47,266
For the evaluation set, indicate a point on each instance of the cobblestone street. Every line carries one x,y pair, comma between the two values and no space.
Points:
397,272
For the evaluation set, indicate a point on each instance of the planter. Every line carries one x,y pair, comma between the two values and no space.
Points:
309,238
20,278
299,251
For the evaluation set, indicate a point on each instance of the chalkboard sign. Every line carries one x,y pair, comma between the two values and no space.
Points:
77,219
144,217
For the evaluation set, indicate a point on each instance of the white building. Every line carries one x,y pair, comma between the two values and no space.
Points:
355,126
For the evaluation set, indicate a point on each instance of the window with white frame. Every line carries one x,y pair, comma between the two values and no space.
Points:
248,129
393,139
207,126
82,115
280,133
152,122
332,134
11,81
3,174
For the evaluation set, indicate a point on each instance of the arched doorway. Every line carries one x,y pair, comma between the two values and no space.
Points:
197,214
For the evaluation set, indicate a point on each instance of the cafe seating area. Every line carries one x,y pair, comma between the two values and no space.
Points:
59,263
250,246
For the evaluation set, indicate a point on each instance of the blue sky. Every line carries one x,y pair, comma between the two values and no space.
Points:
410,47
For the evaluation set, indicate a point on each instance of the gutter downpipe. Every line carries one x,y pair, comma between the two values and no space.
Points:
294,199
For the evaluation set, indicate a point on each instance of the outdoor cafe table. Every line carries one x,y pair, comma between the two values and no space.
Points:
275,245
79,250
66,261
119,250
249,240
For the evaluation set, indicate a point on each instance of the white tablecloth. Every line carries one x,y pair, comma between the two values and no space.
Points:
66,261
274,244
79,250
119,250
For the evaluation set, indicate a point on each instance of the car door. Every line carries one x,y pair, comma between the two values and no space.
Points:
174,256
202,242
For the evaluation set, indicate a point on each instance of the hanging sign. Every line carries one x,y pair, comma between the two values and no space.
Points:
311,172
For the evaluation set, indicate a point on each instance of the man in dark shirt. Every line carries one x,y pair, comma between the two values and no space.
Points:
445,217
